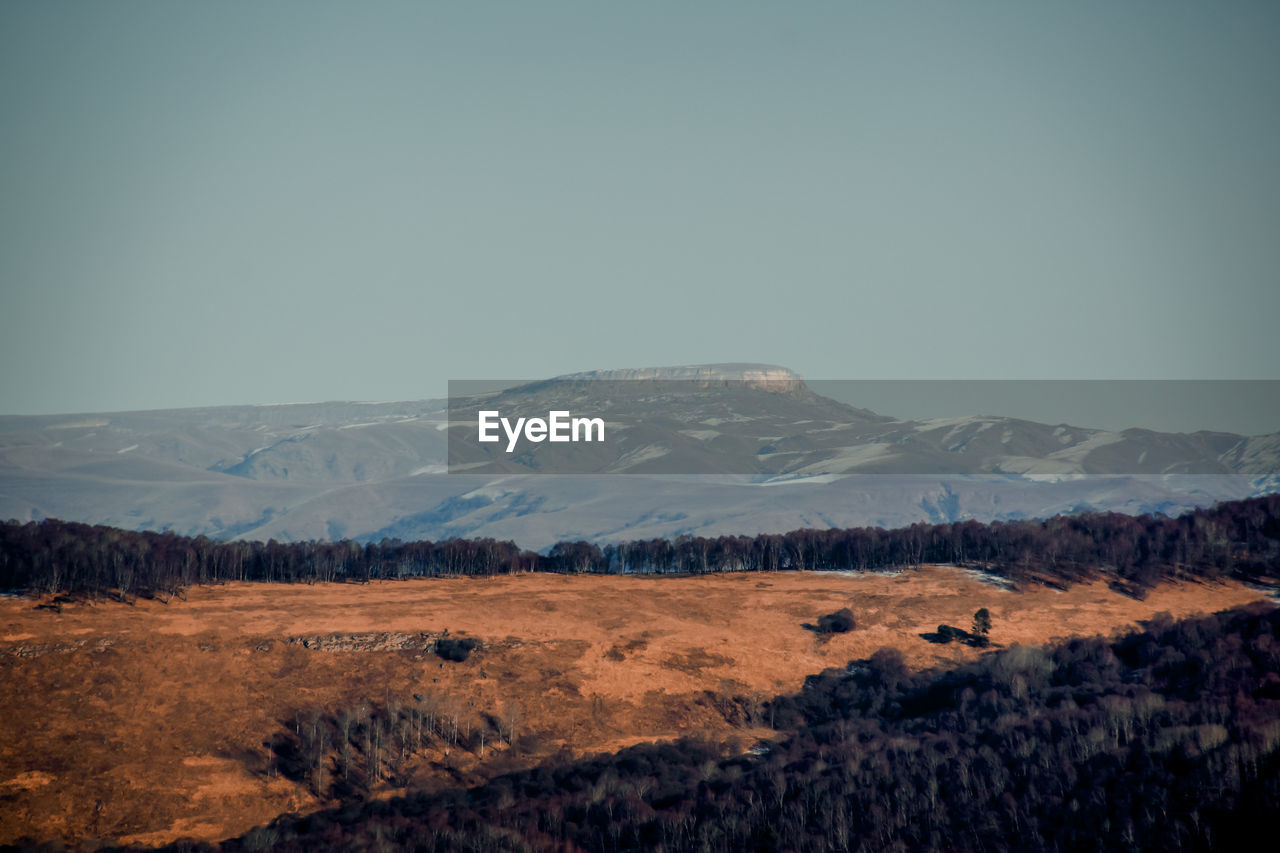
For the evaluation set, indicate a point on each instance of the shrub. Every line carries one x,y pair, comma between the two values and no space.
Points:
840,622
456,649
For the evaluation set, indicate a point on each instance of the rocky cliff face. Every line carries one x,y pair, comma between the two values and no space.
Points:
768,377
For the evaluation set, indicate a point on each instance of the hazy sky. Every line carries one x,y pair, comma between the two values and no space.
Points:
206,203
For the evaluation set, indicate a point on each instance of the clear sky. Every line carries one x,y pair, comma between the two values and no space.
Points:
236,202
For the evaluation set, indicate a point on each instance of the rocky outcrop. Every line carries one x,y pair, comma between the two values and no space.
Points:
384,641
768,377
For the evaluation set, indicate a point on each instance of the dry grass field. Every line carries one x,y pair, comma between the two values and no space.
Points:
149,722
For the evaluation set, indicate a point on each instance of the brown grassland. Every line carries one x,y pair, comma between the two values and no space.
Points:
147,722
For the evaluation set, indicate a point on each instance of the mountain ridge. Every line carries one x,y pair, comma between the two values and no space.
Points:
365,469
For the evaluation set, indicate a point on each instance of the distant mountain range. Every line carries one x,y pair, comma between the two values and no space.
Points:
776,456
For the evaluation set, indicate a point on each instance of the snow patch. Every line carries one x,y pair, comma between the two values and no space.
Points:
849,459
1059,464
989,578
934,424
958,428
491,490
802,480
1077,453
643,454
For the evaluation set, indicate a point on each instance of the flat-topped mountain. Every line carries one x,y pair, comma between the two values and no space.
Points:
770,377
761,420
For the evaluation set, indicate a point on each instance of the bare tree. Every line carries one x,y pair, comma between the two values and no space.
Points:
509,720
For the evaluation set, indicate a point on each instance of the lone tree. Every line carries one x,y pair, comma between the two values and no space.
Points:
981,625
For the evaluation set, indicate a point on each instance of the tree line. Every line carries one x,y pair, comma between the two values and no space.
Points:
1233,539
